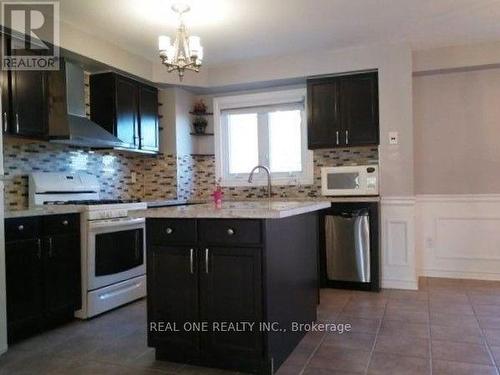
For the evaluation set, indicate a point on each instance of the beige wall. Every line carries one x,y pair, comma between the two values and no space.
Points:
167,121
457,132
456,57
394,63
146,67
176,121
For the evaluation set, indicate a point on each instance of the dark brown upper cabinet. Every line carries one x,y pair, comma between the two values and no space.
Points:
323,114
148,118
343,111
127,109
24,100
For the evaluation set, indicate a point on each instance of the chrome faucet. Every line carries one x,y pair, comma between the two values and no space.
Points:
268,171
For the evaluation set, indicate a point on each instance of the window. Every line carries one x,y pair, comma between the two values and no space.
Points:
262,129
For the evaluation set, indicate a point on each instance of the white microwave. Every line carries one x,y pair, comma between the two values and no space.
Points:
349,180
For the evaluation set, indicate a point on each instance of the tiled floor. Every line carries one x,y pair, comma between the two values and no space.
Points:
447,327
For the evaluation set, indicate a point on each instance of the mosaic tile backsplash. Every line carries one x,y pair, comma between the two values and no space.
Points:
196,175
155,175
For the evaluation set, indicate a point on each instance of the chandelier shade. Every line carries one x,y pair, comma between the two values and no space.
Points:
185,53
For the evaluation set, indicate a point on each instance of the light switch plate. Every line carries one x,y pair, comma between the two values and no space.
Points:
393,138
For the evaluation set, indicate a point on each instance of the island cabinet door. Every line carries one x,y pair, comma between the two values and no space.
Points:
173,301
230,295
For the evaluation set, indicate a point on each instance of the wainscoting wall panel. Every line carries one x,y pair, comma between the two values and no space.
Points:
459,236
398,243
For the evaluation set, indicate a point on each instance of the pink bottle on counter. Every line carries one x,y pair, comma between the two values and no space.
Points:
217,195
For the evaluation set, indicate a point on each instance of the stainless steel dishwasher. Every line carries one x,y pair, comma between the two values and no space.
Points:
347,244
349,248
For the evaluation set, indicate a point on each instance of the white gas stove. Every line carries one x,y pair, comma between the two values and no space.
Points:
112,244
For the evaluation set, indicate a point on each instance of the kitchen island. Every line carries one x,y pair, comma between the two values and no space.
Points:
228,287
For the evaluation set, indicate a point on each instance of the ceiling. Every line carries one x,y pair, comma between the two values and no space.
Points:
233,30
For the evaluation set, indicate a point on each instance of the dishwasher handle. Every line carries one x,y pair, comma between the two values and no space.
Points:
353,214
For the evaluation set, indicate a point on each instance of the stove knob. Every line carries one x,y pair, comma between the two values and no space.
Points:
65,222
169,231
20,227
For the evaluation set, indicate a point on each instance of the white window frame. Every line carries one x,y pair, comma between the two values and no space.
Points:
305,177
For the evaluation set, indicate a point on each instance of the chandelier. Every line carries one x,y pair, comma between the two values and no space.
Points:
186,53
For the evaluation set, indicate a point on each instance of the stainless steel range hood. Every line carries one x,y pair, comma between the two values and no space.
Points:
67,122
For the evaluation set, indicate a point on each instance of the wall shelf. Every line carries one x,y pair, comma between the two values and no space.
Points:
201,114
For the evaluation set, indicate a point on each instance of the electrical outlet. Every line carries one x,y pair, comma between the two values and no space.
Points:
429,243
393,138
133,177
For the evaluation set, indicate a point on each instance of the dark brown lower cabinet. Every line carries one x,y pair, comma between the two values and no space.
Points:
62,273
24,287
230,292
171,266
214,285
42,261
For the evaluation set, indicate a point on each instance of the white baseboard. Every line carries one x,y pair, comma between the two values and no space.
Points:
399,284
460,275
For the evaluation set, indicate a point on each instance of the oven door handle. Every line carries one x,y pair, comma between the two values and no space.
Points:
137,244
115,223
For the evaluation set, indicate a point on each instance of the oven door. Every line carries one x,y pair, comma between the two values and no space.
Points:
116,251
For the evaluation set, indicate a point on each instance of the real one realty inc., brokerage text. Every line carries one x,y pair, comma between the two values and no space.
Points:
162,326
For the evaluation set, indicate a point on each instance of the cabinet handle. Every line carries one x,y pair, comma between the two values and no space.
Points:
5,126
347,137
17,123
191,261
206,261
338,139
137,255
51,252
230,231
20,227
39,248
169,230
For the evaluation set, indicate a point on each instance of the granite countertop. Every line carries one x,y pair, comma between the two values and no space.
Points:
45,210
337,199
252,209
236,210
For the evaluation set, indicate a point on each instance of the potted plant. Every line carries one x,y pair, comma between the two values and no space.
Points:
199,107
199,125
